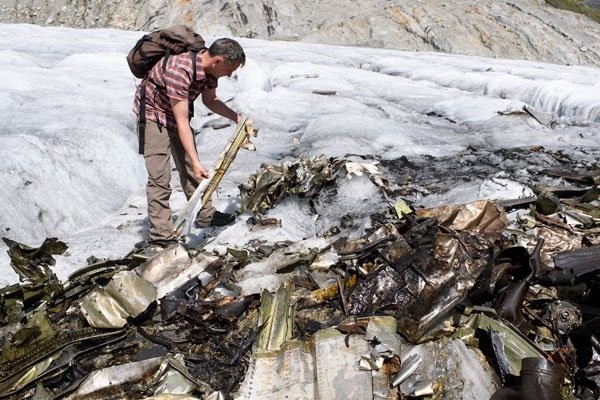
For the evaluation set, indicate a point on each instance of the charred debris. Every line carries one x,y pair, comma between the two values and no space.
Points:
487,299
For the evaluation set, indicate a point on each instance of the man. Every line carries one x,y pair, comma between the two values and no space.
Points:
169,94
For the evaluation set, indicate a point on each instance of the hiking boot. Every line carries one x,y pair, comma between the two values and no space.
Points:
217,219
162,243
153,247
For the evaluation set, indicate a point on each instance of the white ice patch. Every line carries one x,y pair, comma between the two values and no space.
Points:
493,189
475,109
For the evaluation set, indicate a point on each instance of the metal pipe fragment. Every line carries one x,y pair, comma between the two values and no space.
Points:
541,379
408,368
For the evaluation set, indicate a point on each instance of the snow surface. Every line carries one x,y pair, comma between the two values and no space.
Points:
69,166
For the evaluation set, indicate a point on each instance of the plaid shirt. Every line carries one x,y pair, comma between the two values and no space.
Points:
172,82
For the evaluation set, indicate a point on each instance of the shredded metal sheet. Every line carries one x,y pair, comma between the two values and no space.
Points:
126,295
326,367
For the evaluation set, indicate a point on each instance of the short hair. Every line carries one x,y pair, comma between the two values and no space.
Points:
231,51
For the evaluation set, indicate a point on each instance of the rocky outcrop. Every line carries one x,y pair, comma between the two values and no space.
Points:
518,29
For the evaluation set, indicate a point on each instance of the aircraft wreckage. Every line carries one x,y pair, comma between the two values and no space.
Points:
488,299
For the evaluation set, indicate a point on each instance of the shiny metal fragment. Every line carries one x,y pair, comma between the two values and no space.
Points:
516,346
381,331
276,318
424,389
216,396
289,371
166,378
326,367
358,169
338,375
34,264
402,209
174,267
409,366
126,295
456,371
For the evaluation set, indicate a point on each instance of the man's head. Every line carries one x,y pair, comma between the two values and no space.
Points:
225,56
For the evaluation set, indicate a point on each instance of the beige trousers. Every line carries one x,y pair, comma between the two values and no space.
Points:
159,145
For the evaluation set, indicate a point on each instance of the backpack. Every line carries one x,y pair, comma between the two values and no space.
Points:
153,47
160,44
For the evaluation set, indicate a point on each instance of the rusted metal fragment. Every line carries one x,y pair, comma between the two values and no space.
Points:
34,264
508,265
517,203
482,216
510,300
423,294
562,192
517,277
561,316
395,250
548,203
540,380
321,295
580,262
305,178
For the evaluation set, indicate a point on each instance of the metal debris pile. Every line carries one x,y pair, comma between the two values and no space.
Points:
488,299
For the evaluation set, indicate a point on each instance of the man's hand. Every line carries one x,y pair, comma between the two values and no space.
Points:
199,171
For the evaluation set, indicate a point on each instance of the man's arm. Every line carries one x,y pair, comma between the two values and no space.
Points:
180,111
212,102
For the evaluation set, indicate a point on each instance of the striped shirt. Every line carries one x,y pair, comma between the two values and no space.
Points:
175,82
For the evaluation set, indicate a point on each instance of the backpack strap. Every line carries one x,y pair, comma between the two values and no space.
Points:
165,58
142,117
193,54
